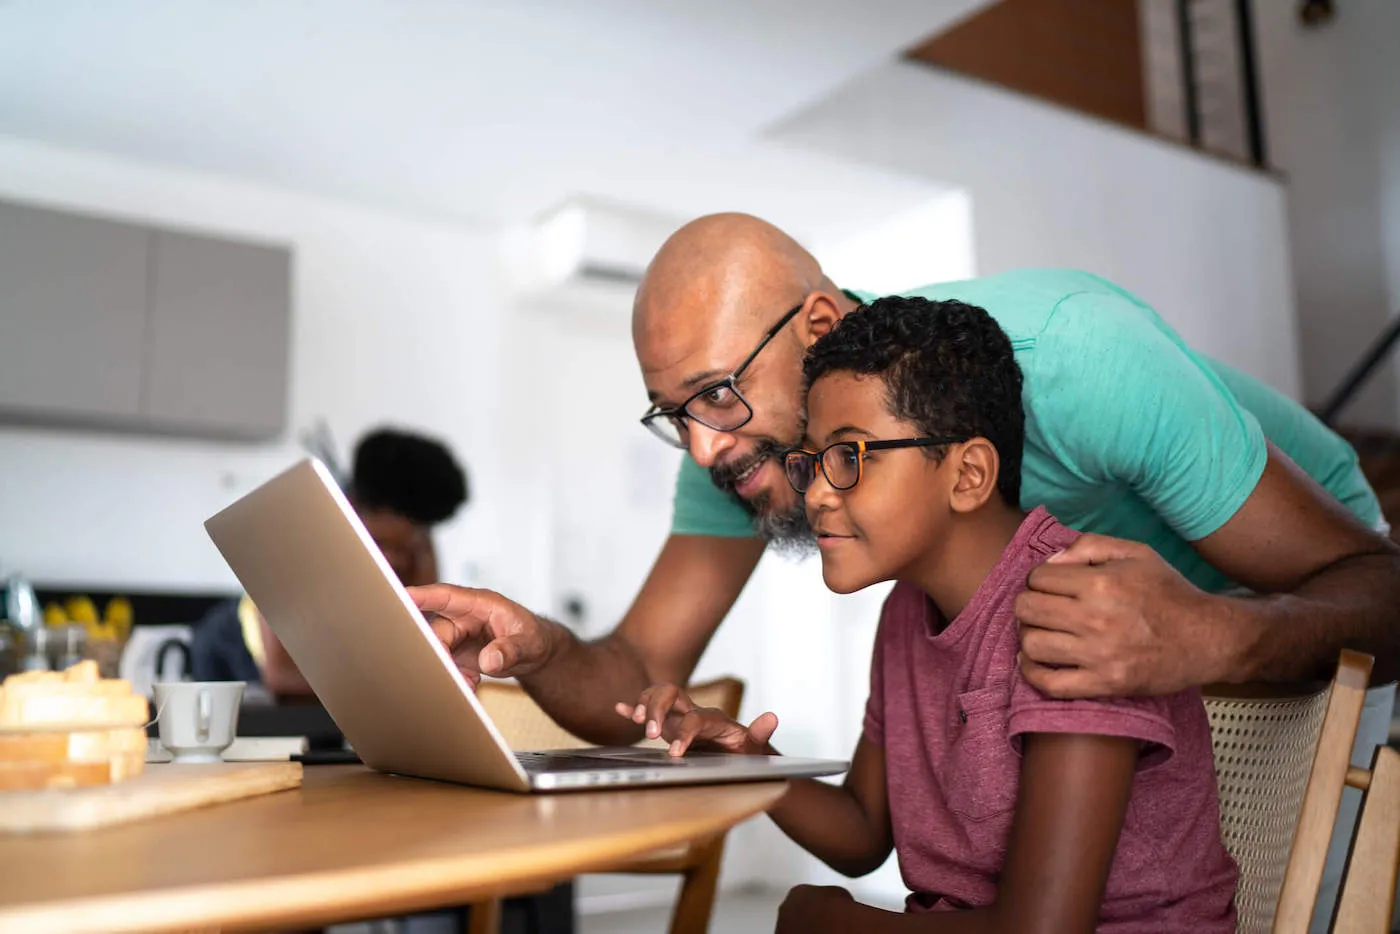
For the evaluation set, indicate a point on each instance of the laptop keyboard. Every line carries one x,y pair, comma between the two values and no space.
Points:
578,762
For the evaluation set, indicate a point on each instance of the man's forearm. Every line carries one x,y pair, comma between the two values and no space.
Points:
1352,604
581,682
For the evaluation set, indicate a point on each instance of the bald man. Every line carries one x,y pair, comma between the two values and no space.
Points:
1197,480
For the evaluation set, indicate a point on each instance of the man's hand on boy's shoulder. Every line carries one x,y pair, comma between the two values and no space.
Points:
670,714
1108,617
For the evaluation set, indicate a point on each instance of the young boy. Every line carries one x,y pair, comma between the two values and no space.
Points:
1009,811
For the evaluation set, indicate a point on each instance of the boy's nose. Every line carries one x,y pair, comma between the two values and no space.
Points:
821,495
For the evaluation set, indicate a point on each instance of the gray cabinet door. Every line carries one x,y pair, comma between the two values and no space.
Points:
218,332
72,316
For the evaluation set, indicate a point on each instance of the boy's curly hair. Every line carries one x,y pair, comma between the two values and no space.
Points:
947,366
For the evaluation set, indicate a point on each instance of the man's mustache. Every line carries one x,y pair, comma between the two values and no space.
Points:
725,476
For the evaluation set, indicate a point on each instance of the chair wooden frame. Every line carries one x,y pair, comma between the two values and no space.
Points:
1368,888
697,863
1367,900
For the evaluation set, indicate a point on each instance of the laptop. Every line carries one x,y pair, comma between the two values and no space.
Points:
302,554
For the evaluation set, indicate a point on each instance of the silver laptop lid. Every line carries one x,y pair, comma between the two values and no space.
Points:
302,554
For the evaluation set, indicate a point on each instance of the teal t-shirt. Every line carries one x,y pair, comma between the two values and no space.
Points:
1129,432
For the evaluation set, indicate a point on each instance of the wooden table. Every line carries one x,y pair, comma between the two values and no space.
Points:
350,844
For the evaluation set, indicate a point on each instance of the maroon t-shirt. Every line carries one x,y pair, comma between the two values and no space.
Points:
949,707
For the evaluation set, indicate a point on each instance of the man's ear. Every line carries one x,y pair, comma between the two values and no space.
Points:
820,313
978,466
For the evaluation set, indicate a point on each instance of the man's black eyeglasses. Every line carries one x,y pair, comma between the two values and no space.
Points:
719,405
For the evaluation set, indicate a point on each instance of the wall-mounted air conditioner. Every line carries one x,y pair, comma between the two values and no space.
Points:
584,255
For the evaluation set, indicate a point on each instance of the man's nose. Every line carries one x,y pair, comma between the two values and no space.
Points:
707,444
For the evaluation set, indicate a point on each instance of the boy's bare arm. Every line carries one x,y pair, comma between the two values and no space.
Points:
1073,797
847,826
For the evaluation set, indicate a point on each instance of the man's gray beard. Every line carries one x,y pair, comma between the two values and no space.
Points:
787,533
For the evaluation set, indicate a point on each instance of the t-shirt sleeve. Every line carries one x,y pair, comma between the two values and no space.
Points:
1146,719
701,508
1120,399
1321,452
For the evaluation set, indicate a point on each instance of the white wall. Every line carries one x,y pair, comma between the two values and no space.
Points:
1202,240
395,319
930,241
1332,119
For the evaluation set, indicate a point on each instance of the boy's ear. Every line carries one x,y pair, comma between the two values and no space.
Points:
978,467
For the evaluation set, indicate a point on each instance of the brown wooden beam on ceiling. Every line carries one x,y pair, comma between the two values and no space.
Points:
1082,54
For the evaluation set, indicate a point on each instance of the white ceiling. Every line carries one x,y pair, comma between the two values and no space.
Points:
474,109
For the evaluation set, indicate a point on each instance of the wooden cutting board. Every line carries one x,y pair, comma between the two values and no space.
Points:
159,790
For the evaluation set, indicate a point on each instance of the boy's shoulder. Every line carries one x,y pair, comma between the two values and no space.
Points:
1044,535
1039,536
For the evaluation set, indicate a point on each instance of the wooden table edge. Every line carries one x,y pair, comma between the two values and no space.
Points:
365,892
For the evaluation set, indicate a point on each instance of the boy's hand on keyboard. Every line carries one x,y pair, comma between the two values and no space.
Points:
669,713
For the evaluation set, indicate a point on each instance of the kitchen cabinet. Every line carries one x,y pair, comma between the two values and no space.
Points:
73,302
105,324
218,323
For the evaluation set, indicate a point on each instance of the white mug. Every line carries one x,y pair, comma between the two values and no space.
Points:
198,720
